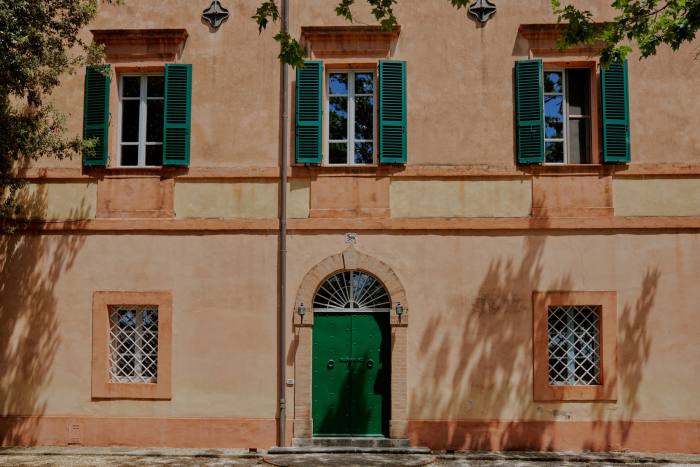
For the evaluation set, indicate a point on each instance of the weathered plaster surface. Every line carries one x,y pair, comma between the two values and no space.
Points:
252,200
657,196
59,201
461,198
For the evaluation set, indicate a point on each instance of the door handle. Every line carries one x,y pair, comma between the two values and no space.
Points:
331,364
370,363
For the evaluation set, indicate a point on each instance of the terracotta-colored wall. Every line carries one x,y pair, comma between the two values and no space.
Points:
460,85
224,333
459,81
470,330
235,91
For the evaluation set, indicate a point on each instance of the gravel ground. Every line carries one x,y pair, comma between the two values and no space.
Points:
84,457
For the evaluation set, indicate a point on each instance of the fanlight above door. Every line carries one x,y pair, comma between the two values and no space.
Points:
352,290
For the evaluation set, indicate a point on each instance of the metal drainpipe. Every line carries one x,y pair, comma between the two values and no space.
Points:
284,157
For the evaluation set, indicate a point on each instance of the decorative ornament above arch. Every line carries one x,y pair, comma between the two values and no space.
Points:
350,260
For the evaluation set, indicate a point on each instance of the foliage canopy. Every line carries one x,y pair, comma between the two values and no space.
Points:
648,23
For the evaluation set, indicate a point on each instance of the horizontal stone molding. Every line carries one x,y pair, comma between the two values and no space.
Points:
410,171
590,224
138,432
682,436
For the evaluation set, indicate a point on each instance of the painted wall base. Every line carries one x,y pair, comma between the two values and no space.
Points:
637,436
138,432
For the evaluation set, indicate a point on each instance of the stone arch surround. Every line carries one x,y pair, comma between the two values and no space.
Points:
350,259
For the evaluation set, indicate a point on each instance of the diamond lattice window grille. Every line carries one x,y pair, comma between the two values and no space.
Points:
133,344
574,345
352,290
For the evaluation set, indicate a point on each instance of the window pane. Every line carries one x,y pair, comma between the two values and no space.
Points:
156,85
578,87
154,121
130,155
364,83
131,86
554,151
338,83
364,117
578,141
363,153
552,81
338,153
554,116
338,111
154,154
130,121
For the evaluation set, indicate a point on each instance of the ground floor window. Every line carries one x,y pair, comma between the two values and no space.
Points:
573,345
133,347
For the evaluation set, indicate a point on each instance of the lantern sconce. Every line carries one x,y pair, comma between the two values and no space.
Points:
301,311
399,310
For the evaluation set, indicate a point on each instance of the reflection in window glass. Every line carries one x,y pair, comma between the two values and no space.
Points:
364,83
338,115
364,153
554,152
351,117
554,116
553,81
338,83
364,118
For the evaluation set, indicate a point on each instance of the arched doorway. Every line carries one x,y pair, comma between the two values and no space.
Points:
351,367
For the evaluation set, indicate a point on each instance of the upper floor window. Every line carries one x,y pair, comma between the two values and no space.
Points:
141,119
351,125
562,109
567,115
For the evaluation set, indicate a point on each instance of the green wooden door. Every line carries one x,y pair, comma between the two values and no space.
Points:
351,374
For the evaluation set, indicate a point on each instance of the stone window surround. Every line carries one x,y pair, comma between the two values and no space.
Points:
350,259
102,387
607,390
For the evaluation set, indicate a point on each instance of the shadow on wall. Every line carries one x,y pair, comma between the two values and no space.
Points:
479,371
30,266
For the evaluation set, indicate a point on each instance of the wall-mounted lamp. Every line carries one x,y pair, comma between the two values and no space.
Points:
399,310
301,310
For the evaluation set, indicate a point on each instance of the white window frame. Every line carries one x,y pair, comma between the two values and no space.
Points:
143,109
565,107
350,156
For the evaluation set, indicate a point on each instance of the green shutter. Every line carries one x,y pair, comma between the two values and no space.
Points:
178,110
392,112
309,113
616,126
529,110
96,114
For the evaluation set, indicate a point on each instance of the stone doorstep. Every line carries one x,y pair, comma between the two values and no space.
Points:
361,442
346,450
